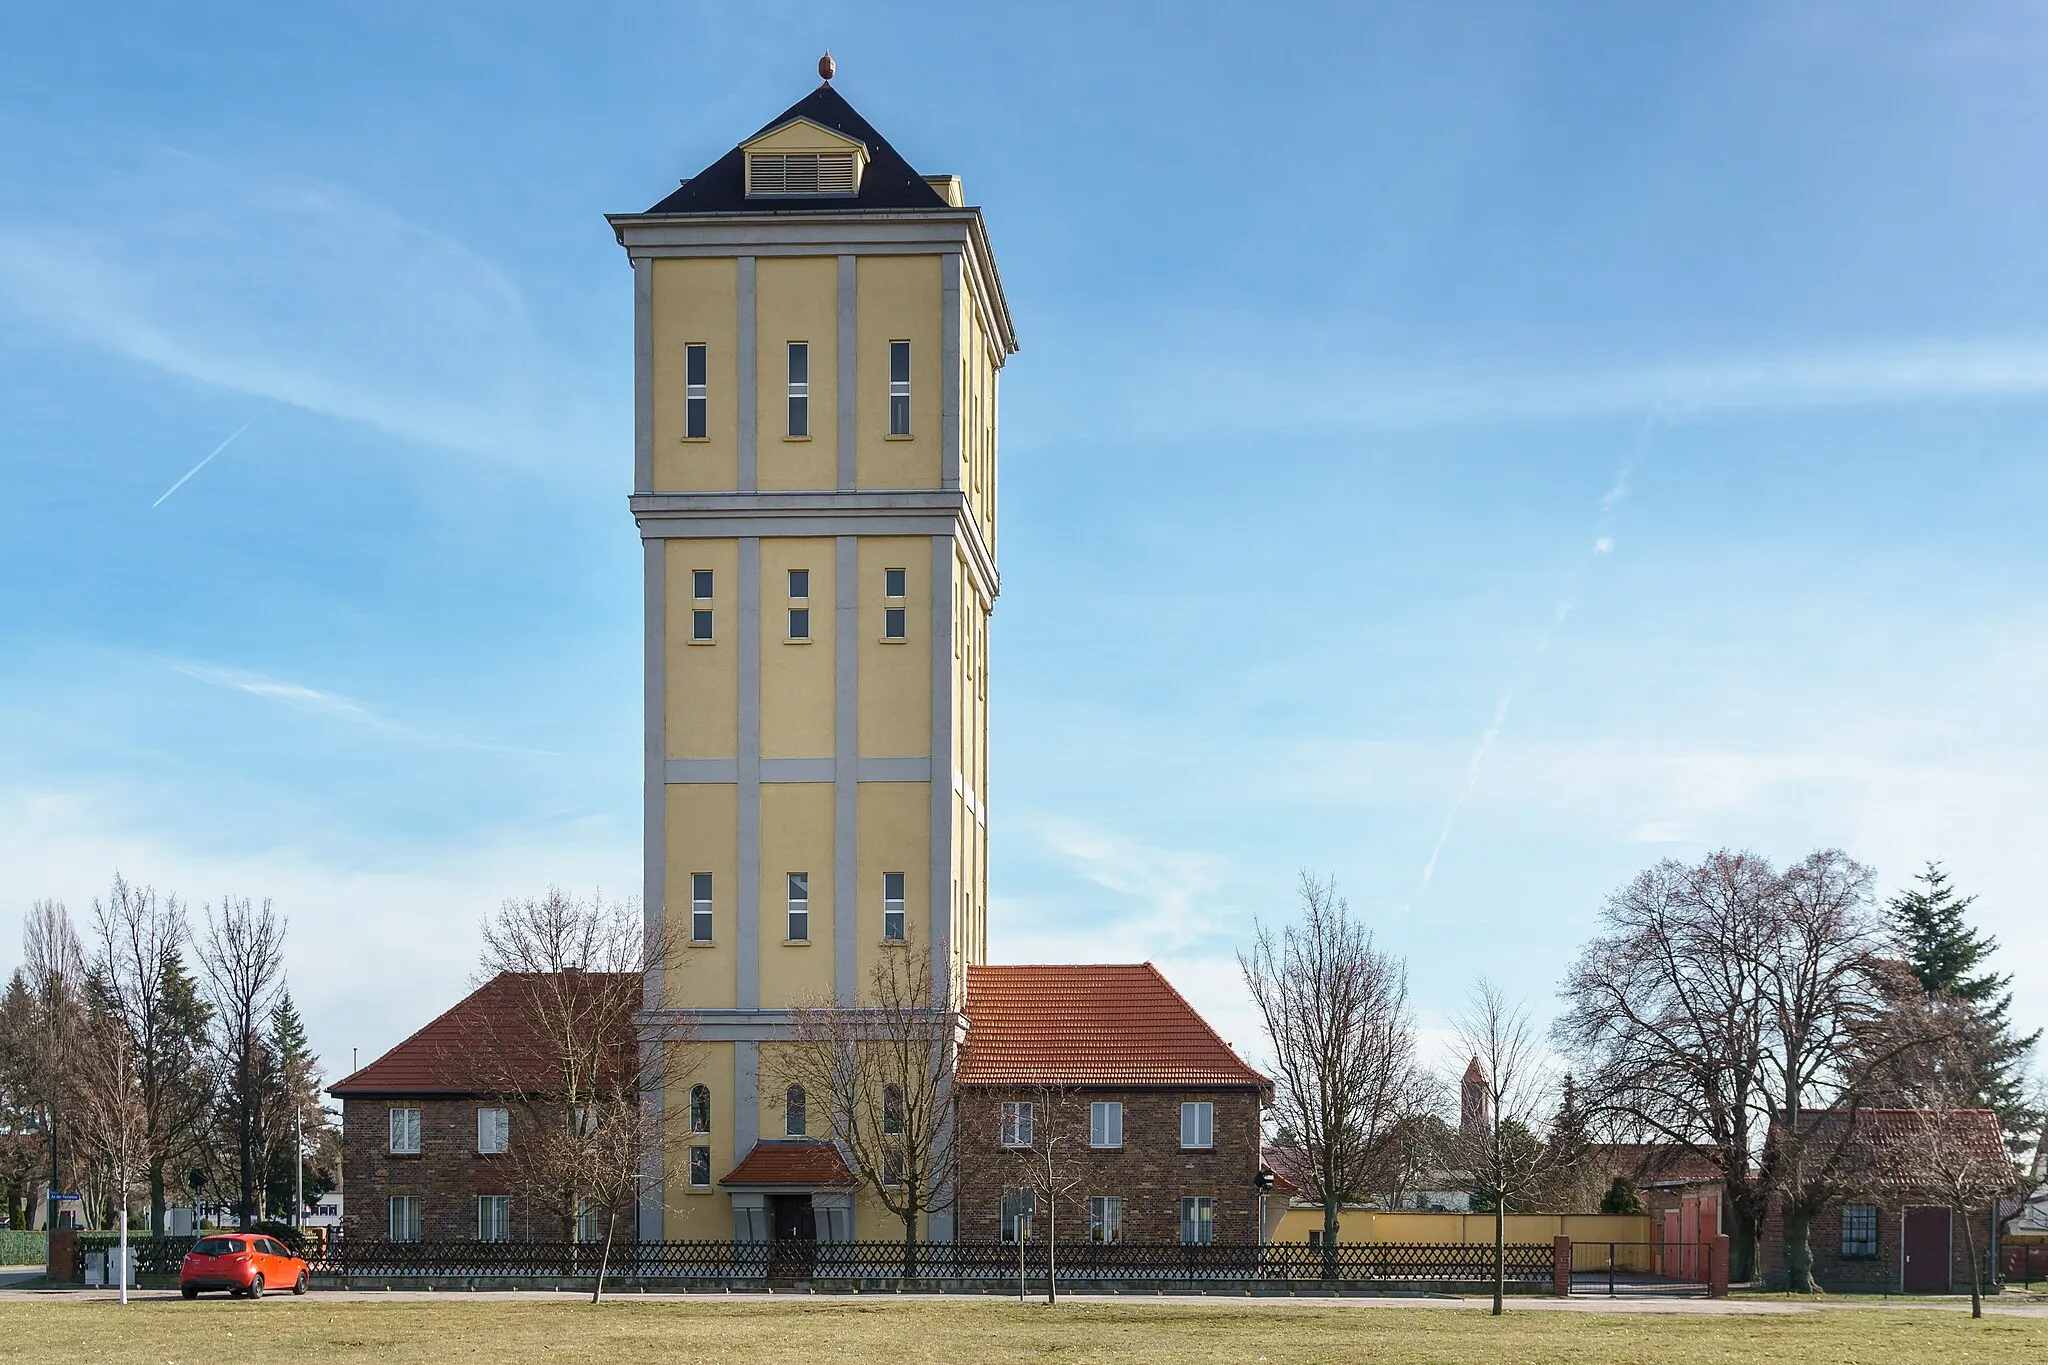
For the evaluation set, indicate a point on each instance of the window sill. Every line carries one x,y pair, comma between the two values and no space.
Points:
796,639
1210,1148
405,1156
796,943
895,943
701,943
796,438
695,641
694,440
899,436
1114,1147
895,639
699,1189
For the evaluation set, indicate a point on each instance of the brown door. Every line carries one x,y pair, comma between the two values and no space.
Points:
1926,1251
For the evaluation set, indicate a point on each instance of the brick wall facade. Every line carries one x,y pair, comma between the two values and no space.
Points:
447,1175
1873,1274
1150,1171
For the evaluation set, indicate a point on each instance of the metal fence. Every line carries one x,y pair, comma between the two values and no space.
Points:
1620,1269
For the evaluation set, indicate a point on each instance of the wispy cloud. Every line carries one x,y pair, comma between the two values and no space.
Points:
284,288
330,705
1163,888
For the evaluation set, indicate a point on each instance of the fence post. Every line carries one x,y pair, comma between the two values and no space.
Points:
1717,1267
1561,1267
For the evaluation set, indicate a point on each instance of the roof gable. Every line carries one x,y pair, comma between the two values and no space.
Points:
1091,1025
802,135
888,182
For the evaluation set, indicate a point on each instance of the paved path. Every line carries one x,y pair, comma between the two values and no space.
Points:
2005,1306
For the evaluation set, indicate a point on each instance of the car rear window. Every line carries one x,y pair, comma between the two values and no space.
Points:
217,1246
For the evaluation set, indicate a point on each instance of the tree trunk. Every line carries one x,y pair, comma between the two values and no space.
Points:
604,1257
156,1199
1798,1249
1500,1253
1052,1244
1329,1238
1976,1277
910,1242
1744,1235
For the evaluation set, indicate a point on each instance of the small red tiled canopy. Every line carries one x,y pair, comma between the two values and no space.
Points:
1095,1024
805,1164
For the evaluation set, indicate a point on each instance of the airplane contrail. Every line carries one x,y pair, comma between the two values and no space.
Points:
202,464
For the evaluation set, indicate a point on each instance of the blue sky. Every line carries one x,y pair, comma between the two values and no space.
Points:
1474,450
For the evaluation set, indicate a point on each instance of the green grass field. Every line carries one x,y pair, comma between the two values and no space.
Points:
319,1329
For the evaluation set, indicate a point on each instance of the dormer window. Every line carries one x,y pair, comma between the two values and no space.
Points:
810,175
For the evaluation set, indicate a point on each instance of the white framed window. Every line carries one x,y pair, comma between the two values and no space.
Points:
796,1121
1197,1125
799,907
1020,1209
893,927
1105,1218
1017,1115
700,1168
899,388
493,1131
590,1221
799,388
700,907
800,609
405,1132
494,1218
700,608
700,1108
1106,1123
695,421
895,584
895,618
800,585
1859,1231
405,1218
892,1110
1197,1220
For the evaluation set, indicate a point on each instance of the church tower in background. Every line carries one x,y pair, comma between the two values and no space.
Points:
818,331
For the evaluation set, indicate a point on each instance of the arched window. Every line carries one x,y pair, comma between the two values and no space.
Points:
700,1108
793,1111
892,1109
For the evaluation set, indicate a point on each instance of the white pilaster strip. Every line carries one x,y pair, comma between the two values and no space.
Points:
941,785
745,378
747,933
849,370
846,642
654,796
643,375
746,1097
949,370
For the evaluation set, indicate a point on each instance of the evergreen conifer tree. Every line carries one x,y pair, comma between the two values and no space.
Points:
1949,958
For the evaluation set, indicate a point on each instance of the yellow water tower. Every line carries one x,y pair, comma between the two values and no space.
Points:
818,331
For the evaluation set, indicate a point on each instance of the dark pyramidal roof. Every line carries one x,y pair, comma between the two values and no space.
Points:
888,183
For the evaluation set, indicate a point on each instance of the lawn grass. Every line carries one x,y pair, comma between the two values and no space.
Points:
631,1331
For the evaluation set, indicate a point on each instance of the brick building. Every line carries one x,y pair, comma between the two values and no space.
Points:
1884,1231
1156,1118
430,1130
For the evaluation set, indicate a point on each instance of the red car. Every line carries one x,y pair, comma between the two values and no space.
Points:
241,1263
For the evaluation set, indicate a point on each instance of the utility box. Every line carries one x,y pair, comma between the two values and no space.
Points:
180,1222
104,1267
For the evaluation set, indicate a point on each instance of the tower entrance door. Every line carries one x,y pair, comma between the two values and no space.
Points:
795,1230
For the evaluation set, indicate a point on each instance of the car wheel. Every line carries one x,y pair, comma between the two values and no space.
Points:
301,1284
189,1292
256,1287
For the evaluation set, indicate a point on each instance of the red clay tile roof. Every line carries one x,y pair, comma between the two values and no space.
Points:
1282,1161
1889,1145
795,1162
1655,1163
484,1040
1116,1025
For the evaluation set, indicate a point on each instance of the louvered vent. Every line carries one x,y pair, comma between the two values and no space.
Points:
807,173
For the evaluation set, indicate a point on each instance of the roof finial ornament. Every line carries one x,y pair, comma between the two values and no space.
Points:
826,67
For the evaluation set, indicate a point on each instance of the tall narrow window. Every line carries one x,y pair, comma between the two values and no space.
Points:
405,1132
795,1122
694,421
700,907
892,907
494,1218
700,1108
799,907
799,604
405,1218
1016,1131
892,1109
1105,1218
1197,1220
1019,1206
1197,1125
799,388
1106,1124
493,1132
895,618
892,1166
700,598
899,388
590,1221
700,1168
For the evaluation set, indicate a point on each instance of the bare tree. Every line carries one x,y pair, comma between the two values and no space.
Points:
242,958
1504,1159
1347,1086
882,1071
112,1111
141,984
45,1022
567,1056
1953,1153
1038,1134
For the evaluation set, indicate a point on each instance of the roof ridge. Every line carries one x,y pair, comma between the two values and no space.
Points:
1201,1019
